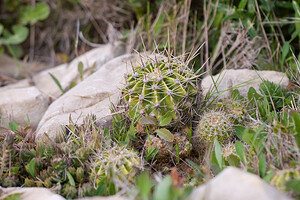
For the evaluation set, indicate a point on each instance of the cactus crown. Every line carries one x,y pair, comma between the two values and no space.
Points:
214,125
161,86
122,162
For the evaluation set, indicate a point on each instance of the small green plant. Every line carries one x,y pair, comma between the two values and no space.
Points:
273,99
24,15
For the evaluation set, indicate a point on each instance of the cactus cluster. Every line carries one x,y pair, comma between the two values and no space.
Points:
162,86
214,125
62,166
116,162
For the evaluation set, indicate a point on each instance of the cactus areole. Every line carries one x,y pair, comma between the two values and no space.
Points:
162,87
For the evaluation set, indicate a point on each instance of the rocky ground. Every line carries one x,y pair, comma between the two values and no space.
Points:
40,102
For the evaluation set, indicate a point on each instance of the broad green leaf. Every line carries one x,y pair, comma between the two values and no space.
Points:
242,4
239,130
253,95
143,184
285,51
240,151
15,50
57,83
218,153
165,120
251,6
163,189
71,179
165,134
262,165
148,120
80,70
30,167
30,15
20,33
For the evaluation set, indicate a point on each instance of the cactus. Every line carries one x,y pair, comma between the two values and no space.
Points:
118,160
214,125
282,178
159,87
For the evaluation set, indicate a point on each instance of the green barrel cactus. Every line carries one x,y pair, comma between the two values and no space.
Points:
214,125
117,162
159,87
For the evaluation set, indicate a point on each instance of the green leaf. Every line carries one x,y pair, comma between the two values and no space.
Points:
1,28
196,167
1,50
148,120
131,130
16,196
218,153
143,184
13,126
251,6
71,179
20,33
159,24
80,70
233,161
253,95
293,185
262,165
242,4
30,167
165,134
163,189
296,119
285,51
165,120
240,151
30,15
57,83
297,14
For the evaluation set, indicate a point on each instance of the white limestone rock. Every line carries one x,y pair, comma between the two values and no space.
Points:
26,105
241,79
235,184
67,73
92,96
30,193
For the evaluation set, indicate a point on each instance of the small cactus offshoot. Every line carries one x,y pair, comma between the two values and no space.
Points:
161,86
214,125
116,162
